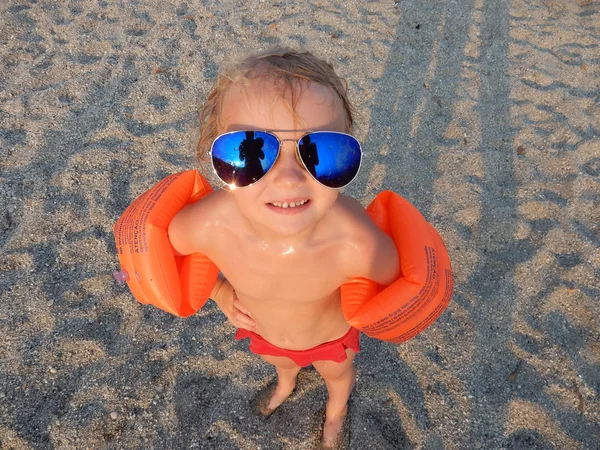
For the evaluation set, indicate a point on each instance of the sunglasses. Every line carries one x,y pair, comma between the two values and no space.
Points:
241,158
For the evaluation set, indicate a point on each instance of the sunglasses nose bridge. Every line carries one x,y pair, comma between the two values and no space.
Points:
288,170
281,141
295,148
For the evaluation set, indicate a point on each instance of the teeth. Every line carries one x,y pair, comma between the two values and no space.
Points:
289,205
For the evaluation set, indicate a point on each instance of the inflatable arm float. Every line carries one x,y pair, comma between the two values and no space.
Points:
154,272
418,297
181,285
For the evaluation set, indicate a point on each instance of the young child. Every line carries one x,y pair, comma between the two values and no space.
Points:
282,235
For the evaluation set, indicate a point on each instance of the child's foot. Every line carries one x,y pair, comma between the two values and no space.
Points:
280,394
334,429
271,397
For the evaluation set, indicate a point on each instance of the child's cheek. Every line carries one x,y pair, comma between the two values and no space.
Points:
247,200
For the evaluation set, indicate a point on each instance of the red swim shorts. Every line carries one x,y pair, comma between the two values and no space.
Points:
329,351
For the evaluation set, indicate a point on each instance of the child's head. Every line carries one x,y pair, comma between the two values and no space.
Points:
277,123
287,70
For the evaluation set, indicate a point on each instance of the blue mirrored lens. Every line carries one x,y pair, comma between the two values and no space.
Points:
332,158
241,158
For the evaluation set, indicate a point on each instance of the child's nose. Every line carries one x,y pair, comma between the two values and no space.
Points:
288,170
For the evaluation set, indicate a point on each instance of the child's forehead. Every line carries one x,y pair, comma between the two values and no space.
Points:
266,93
268,105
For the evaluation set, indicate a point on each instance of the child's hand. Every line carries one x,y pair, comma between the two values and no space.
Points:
227,301
241,318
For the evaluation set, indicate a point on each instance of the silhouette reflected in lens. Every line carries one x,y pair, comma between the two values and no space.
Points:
310,155
332,158
251,153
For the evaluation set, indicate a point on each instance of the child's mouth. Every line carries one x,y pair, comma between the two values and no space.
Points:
286,205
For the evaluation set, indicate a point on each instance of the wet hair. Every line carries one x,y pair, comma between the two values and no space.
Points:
284,68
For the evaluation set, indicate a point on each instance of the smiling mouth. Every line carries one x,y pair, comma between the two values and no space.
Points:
285,205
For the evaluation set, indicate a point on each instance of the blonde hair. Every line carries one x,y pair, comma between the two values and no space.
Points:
282,66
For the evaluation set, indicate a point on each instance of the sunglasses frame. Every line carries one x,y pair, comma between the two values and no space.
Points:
298,157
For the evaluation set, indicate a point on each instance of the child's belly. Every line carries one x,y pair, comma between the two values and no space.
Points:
297,325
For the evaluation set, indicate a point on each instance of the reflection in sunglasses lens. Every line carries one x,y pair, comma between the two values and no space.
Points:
333,159
243,157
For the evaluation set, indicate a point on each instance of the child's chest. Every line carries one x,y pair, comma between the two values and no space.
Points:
284,273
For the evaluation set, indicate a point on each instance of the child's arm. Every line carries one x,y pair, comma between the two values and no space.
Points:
372,254
378,258
424,288
224,296
188,235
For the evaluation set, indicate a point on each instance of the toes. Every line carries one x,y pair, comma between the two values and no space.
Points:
335,433
331,434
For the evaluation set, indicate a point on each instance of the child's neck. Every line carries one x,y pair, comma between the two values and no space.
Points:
286,242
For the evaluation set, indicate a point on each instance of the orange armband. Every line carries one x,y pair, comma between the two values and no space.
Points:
154,272
418,297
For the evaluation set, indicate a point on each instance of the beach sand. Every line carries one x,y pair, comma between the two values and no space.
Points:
484,113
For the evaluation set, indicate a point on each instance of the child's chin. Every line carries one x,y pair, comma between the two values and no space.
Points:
289,229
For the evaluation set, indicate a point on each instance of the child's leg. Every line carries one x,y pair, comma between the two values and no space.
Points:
339,379
287,371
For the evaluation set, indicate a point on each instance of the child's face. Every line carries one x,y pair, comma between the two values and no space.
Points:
261,107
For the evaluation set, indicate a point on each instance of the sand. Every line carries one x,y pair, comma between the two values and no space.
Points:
484,113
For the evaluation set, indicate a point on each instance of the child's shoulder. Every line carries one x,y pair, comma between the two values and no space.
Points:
366,251
215,203
351,225
350,216
210,207
190,229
